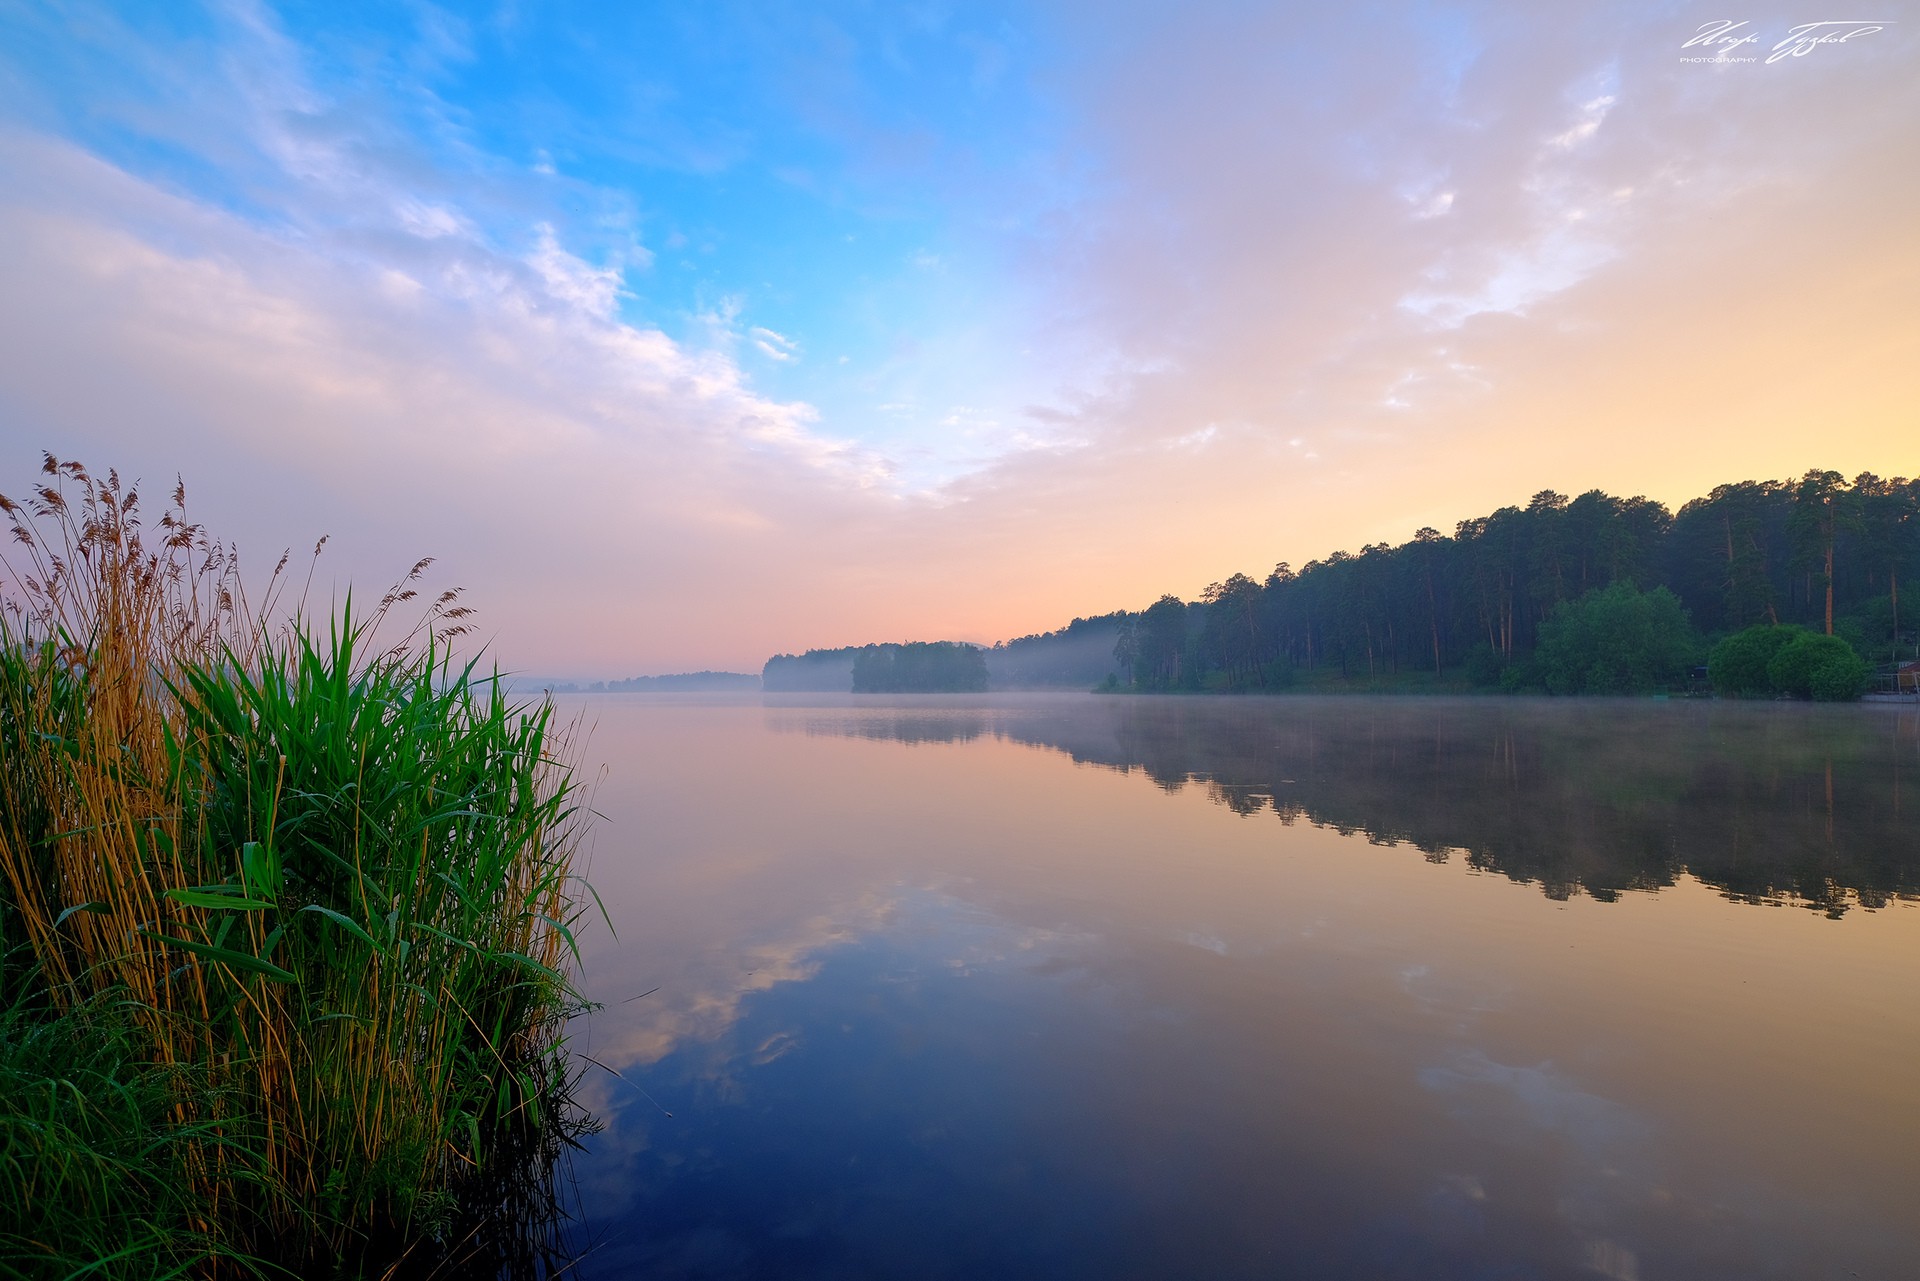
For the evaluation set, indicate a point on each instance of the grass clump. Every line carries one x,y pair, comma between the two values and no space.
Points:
302,907
89,1143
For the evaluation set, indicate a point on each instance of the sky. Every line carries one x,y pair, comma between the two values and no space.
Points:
685,334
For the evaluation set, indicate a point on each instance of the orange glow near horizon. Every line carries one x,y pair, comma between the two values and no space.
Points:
1179,319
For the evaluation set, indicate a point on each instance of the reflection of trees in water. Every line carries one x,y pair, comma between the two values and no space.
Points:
1764,802
894,725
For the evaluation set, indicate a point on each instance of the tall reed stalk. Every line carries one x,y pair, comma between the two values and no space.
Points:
325,887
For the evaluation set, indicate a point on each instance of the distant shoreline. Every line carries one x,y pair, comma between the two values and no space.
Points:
681,682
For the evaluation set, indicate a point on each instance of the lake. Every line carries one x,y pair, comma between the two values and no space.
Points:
1068,986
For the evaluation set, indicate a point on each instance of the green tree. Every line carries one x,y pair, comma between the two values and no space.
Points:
1738,665
1431,545
1616,640
920,667
1126,647
1819,667
1739,520
1232,629
1889,522
1823,507
1160,644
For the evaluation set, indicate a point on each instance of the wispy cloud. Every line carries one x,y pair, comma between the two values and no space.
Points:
594,290
774,346
1226,286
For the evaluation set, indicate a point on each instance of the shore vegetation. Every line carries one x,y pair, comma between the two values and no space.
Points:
286,920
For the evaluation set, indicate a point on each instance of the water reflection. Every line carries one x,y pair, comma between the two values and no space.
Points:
933,1003
1764,802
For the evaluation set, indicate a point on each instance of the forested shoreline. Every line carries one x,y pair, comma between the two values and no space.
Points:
1472,609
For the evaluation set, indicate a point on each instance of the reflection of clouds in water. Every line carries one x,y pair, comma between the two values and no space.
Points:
711,1026
1452,996
731,1080
1205,940
1611,1259
968,938
973,939
1456,1209
774,1046
1545,1100
1605,1161
707,1009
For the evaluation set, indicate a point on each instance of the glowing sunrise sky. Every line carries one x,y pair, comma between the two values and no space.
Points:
683,334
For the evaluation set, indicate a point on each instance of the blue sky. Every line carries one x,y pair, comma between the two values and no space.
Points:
814,189
684,334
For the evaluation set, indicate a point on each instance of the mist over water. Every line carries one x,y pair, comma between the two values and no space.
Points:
1766,802
1073,986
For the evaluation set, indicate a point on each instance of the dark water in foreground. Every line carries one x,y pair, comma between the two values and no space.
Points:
1077,987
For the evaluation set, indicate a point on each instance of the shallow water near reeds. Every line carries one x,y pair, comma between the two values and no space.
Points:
1069,986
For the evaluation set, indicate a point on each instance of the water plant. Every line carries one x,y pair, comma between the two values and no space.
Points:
316,893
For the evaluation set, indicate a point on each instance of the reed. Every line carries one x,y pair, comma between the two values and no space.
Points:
325,886
90,1141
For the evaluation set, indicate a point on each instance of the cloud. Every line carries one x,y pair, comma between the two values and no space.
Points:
774,346
594,290
448,398
430,222
1101,301
1436,205
1452,249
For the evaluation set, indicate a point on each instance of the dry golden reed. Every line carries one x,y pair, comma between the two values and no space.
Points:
331,885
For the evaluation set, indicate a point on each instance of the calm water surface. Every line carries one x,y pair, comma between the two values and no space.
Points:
1067,986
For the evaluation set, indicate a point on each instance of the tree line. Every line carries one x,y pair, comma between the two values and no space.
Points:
1822,553
912,667
920,667
1594,594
